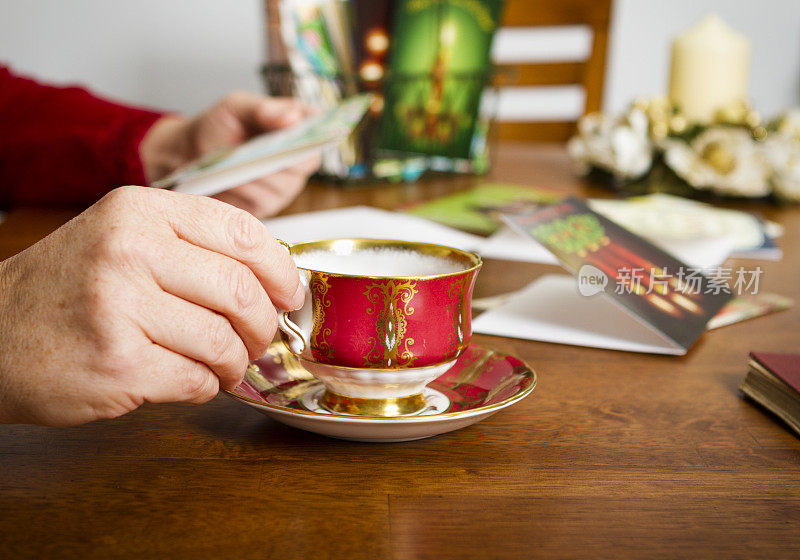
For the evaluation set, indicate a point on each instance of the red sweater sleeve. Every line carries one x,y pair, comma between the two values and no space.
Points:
65,146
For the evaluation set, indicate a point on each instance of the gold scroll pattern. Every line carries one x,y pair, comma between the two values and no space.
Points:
319,287
458,309
390,301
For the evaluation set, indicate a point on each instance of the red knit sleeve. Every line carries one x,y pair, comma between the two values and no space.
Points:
65,146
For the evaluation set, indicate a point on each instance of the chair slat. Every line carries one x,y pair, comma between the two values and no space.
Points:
589,73
549,131
540,74
525,13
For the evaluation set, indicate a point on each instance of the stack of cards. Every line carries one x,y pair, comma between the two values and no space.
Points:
268,153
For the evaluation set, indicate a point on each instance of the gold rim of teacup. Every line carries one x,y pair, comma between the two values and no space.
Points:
384,408
431,249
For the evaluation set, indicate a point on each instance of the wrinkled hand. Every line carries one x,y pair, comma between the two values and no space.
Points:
174,141
148,295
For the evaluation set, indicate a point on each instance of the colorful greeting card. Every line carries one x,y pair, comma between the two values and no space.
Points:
268,153
437,70
659,292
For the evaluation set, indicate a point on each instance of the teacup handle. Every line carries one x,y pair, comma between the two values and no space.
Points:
297,336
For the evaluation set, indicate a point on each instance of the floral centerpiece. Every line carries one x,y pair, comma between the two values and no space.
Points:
653,148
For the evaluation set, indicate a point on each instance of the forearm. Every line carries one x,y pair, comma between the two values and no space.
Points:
65,146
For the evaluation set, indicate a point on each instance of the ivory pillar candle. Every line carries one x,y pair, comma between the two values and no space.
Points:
710,68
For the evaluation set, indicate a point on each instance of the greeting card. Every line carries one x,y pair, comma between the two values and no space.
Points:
267,153
437,70
625,292
478,209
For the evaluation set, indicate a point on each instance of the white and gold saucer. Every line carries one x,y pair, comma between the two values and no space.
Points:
480,383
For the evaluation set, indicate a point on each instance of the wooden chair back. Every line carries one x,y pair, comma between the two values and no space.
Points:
589,73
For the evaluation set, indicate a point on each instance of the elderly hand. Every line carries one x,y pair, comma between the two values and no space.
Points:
174,141
148,295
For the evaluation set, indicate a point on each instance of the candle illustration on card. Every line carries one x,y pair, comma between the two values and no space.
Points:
710,69
438,67
652,301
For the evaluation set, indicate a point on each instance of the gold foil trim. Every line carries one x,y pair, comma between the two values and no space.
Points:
390,302
372,407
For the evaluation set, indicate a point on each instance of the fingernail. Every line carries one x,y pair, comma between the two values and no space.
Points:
299,297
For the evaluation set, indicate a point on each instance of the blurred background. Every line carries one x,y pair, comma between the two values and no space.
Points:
182,54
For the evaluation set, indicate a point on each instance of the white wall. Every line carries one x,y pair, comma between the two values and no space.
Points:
183,54
643,30
171,54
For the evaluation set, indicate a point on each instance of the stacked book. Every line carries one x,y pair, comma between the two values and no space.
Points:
773,381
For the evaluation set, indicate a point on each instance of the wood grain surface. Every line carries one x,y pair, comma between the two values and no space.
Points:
614,455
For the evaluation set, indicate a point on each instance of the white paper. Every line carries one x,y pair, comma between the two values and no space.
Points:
363,221
551,310
506,244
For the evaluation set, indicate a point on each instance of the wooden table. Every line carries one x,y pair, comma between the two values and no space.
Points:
615,455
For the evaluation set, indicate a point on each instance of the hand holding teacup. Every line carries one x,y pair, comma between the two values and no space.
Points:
149,295
381,320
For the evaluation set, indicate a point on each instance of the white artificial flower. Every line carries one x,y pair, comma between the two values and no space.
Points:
620,146
723,159
789,124
783,154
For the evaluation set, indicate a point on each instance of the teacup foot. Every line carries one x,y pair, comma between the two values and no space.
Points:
397,406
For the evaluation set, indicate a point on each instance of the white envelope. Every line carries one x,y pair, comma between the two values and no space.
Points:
552,310
364,221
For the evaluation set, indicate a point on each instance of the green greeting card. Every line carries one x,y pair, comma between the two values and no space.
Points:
477,209
437,71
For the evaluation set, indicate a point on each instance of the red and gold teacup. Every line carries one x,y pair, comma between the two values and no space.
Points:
376,341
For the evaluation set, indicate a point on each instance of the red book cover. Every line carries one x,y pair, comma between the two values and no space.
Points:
784,366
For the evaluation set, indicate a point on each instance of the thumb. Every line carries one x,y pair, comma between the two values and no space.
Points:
258,113
279,112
